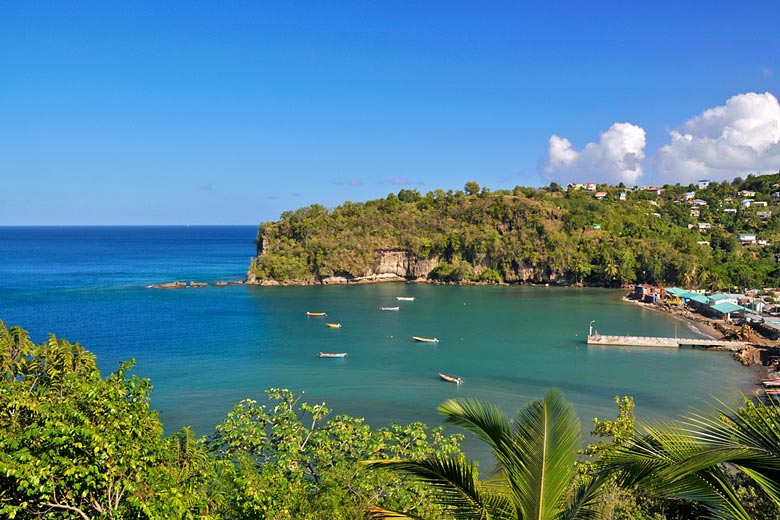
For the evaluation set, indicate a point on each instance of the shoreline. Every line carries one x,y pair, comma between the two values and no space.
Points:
749,356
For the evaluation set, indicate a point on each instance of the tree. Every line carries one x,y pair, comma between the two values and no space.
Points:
688,459
286,461
536,452
75,445
471,188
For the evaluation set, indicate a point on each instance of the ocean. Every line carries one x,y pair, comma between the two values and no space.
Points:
205,349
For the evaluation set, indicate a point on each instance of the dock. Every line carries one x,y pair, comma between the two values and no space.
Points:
654,341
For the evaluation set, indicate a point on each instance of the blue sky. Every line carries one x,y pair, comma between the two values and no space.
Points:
233,112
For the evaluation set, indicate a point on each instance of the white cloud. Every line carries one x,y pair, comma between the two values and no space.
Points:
617,157
742,136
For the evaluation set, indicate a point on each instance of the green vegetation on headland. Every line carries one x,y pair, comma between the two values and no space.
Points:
75,445
691,236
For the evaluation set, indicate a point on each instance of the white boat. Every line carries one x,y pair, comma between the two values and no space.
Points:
389,308
405,298
332,354
450,379
425,340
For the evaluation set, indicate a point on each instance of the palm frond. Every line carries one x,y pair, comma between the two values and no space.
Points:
455,486
539,456
487,421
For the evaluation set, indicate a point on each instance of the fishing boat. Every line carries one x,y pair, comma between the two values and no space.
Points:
315,314
333,325
389,308
405,298
332,354
425,340
450,379
771,383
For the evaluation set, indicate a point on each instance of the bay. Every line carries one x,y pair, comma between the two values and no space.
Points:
206,349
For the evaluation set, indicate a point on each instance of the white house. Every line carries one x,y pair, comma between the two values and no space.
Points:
699,202
765,215
590,186
695,212
746,238
703,184
730,210
703,226
747,194
600,194
759,203
622,195
746,203
689,195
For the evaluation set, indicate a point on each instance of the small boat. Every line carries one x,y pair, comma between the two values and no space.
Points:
389,308
425,340
450,379
773,383
315,314
333,325
332,354
405,298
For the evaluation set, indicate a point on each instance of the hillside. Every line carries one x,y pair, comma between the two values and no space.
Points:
602,236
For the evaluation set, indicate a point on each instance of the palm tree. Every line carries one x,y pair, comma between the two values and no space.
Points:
695,458
535,454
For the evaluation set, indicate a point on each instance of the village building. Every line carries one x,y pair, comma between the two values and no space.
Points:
590,186
699,202
695,212
747,194
703,226
746,203
765,215
689,195
746,239
730,210
600,194
760,203
622,195
703,184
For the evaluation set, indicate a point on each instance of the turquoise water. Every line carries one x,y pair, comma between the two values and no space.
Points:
206,349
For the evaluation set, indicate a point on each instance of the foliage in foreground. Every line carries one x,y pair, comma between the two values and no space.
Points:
76,445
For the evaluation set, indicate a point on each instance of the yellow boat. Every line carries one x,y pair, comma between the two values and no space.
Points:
333,325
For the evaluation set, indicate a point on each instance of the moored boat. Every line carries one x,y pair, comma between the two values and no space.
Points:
332,354
315,314
333,325
405,298
389,308
450,379
425,340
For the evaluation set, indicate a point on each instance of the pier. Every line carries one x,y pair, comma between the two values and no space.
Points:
653,341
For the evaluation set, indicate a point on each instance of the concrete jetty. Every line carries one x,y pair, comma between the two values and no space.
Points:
653,341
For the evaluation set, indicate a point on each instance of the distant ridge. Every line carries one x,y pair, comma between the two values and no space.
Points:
722,235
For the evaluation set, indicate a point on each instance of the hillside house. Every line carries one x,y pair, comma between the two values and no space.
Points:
572,186
703,184
764,215
746,203
695,212
703,243
689,195
759,204
746,239
730,210
654,191
747,194
623,195
699,202
762,242
600,195
704,226
590,186
776,195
